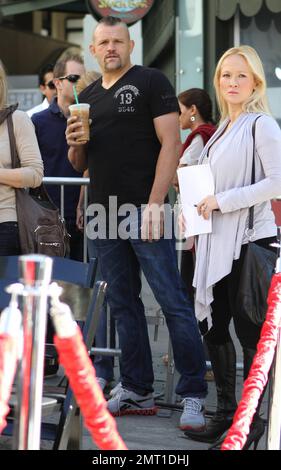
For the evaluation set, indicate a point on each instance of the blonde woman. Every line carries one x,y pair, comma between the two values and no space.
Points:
29,175
241,94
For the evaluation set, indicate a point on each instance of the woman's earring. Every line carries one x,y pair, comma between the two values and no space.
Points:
193,118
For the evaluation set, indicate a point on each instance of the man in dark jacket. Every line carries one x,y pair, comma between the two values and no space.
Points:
50,126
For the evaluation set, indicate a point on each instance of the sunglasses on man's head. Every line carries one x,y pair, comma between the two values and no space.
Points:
72,78
51,85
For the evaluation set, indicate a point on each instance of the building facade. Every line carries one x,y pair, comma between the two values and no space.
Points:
185,38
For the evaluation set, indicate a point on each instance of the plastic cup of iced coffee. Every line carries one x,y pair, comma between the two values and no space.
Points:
82,111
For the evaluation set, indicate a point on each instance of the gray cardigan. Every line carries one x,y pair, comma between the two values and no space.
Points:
230,158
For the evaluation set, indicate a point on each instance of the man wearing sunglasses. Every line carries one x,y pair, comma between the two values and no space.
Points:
47,88
50,126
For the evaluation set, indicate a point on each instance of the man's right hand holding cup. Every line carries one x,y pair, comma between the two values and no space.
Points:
76,138
78,130
74,132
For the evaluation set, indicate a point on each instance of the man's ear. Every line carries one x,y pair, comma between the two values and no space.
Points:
132,45
92,49
42,89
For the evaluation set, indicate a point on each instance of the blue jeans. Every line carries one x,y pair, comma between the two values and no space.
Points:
9,239
120,263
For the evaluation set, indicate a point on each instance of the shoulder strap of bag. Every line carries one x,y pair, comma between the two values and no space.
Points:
13,146
253,178
41,191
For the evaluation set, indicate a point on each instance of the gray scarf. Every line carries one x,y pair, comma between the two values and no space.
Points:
231,163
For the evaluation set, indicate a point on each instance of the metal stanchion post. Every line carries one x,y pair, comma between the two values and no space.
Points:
274,420
35,274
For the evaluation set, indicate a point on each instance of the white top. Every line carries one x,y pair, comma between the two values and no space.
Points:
37,109
192,153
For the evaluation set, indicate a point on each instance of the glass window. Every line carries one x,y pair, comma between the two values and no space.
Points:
189,45
263,32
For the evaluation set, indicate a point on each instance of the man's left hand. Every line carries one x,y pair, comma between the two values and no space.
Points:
152,227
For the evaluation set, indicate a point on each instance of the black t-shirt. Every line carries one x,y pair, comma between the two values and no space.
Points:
124,148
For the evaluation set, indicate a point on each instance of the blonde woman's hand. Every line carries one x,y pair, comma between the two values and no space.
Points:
207,206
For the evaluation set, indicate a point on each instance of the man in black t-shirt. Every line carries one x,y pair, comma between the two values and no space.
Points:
132,156
123,132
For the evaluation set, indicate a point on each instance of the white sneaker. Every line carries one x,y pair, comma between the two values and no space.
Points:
193,414
115,389
126,402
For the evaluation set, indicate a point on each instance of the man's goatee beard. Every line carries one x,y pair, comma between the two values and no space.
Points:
116,67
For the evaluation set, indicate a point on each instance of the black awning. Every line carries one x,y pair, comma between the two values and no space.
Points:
17,7
225,9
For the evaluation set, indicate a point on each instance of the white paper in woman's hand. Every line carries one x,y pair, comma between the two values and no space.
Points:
195,183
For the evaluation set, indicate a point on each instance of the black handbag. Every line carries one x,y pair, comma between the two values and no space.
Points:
257,271
41,228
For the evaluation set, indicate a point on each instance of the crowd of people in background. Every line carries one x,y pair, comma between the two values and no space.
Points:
133,153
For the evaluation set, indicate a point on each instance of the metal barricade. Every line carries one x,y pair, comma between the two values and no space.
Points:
62,182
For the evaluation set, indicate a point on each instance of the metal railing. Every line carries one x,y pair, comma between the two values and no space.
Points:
62,182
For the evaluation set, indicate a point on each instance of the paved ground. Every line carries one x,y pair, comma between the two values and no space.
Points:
158,432
153,432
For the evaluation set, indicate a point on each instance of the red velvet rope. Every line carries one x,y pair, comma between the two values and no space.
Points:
258,375
82,378
8,363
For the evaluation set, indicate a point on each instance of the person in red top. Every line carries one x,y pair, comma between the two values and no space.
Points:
196,114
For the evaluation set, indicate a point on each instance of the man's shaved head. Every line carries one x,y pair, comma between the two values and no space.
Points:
111,21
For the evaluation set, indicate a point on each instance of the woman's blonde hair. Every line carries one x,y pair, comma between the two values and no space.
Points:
86,79
3,87
257,103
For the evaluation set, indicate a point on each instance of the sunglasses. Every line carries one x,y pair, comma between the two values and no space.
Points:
51,85
72,78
